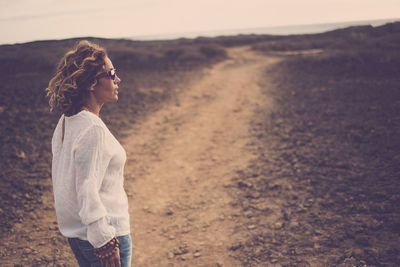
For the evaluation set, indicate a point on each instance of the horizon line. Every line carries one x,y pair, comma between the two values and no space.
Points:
234,31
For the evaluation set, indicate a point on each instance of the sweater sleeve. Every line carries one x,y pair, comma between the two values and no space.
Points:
91,160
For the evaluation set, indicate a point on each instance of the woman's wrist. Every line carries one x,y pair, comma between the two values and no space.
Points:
107,250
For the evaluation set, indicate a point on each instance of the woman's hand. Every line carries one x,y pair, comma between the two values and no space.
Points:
112,261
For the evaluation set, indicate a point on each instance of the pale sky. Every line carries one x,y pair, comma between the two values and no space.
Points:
28,20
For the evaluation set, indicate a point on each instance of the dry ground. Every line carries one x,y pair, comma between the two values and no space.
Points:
181,161
183,158
254,163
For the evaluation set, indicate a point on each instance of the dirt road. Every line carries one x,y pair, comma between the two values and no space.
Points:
182,158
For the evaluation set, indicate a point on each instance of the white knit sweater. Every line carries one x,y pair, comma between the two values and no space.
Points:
87,174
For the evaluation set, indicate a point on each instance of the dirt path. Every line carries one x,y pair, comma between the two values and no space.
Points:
182,158
180,161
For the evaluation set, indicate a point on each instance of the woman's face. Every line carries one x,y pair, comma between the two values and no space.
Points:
106,89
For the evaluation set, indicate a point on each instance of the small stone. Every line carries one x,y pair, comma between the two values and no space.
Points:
197,254
21,155
171,237
235,246
186,230
251,227
244,184
170,255
146,209
261,206
190,218
183,257
254,195
278,225
181,250
318,232
357,252
294,224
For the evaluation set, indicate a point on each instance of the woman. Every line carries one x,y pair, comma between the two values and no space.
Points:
88,162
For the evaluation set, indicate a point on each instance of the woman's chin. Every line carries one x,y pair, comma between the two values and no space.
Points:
113,98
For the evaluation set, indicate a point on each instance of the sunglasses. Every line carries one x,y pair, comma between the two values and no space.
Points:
111,73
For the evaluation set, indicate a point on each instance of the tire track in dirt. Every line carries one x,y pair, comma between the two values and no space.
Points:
182,158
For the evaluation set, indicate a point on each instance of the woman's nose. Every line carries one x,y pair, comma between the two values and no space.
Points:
118,79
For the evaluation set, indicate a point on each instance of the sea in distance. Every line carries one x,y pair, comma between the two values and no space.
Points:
277,30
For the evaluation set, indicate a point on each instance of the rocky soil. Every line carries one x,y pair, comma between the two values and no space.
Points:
324,190
262,159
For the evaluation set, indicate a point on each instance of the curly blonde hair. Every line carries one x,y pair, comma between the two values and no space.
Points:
76,72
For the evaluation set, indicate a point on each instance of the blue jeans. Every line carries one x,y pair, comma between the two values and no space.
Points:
83,252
